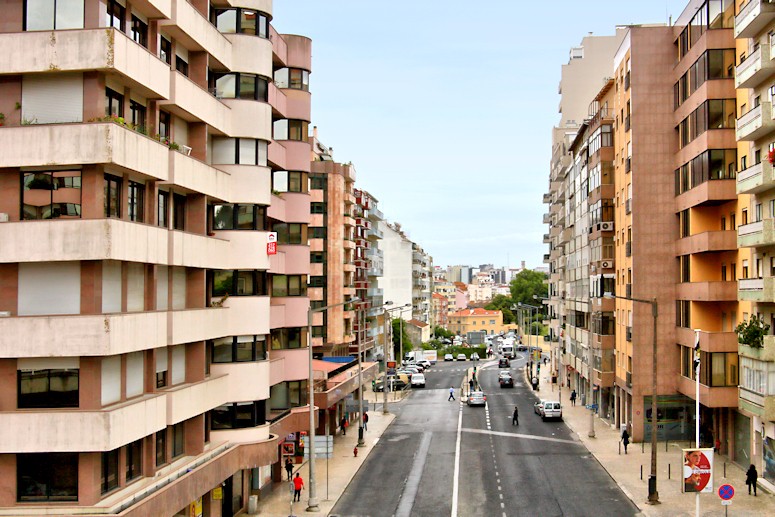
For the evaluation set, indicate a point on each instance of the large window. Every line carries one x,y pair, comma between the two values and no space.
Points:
713,14
712,114
291,129
289,285
161,447
240,86
290,181
109,471
181,65
285,395
162,208
137,116
112,196
179,212
164,123
140,31
178,439
242,21
294,78
240,151
238,349
134,460
116,15
238,283
713,64
239,217
51,195
48,388
290,233
285,338
136,202
47,477
46,15
114,103
239,415
714,164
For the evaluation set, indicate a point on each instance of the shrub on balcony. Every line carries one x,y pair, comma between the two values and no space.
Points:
771,156
752,332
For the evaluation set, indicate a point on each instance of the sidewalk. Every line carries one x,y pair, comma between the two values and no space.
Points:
332,475
626,469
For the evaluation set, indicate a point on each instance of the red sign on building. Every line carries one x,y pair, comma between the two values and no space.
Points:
271,243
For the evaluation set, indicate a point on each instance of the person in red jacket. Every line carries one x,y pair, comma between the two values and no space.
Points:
298,485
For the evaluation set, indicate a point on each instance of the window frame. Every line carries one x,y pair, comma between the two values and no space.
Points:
109,469
139,31
64,402
51,466
136,201
53,184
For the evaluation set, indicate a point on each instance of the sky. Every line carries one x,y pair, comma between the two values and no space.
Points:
445,109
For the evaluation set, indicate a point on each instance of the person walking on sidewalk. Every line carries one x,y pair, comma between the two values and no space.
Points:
515,417
298,486
451,394
343,425
750,479
365,421
625,439
470,385
289,468
573,398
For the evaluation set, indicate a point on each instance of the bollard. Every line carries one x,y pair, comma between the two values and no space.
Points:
641,472
642,446
668,470
620,447
725,469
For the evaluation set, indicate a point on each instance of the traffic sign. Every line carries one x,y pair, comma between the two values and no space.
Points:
726,502
726,492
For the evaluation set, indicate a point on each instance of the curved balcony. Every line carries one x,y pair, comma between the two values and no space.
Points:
251,119
246,381
278,101
295,420
198,176
247,315
245,435
192,102
296,154
290,260
251,54
197,33
756,178
289,365
87,144
288,311
298,51
297,104
195,250
249,183
292,207
265,6
245,250
191,399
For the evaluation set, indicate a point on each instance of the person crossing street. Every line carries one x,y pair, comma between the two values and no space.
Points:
515,417
451,394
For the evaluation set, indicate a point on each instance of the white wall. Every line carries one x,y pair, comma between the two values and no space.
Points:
49,288
135,301
111,286
135,374
396,279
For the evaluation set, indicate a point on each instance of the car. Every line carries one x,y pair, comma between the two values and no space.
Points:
474,356
503,362
506,380
394,382
424,363
521,348
449,357
477,398
446,341
538,407
551,409
418,380
462,357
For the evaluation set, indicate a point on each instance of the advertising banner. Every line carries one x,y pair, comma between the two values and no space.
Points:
697,471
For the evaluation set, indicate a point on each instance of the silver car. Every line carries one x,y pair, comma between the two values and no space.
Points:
551,409
477,398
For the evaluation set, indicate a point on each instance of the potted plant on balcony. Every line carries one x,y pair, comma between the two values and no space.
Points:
751,332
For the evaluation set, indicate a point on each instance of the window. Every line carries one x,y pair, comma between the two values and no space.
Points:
290,129
109,471
164,124
114,103
162,208
161,367
136,200
317,281
178,439
137,116
51,195
289,285
290,181
239,217
290,233
112,196
284,338
317,232
238,283
116,15
317,257
240,151
238,349
134,460
240,86
53,388
242,21
179,212
285,395
683,314
165,52
47,477
317,207
294,78
43,15
318,182
239,415
140,31
161,447
181,65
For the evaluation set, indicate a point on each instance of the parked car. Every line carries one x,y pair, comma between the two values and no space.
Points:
462,357
551,409
449,357
503,363
538,407
521,348
424,363
506,380
474,356
418,380
397,382
477,398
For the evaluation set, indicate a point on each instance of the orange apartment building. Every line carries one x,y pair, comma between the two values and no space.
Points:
142,312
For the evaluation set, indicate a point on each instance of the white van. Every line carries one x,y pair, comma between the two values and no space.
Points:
508,351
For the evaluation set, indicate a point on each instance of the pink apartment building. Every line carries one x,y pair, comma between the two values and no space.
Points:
153,353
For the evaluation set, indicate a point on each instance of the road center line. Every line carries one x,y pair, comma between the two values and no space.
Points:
406,502
511,435
457,462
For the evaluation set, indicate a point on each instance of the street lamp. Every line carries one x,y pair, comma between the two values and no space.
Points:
312,505
388,342
555,357
653,494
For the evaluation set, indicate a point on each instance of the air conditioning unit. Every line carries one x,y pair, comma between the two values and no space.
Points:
607,227
606,264
3,217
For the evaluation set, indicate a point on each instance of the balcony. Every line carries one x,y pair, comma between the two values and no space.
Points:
248,315
547,219
756,68
191,399
756,178
250,53
766,353
709,341
247,435
88,144
253,120
547,198
756,289
107,50
754,17
706,291
721,240
197,176
761,405
628,206
197,33
189,100
192,325
760,233
289,311
756,123
291,259
710,396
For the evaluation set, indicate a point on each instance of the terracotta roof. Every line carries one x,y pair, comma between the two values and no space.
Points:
439,297
475,312
417,323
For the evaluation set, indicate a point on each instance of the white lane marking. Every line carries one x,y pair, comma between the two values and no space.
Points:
406,502
457,462
517,435
501,496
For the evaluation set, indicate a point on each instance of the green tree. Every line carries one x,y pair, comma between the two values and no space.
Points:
503,303
398,329
441,332
752,332
526,284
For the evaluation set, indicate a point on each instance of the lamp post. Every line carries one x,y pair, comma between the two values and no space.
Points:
653,497
361,330
312,505
388,346
555,357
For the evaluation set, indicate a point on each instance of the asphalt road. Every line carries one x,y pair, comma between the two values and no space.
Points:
442,458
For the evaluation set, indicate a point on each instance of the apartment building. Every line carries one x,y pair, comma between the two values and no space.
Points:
369,267
754,428
422,280
397,278
142,299
476,320
440,309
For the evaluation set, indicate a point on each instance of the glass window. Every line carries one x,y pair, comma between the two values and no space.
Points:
114,103
246,217
50,195
247,21
247,86
179,212
238,283
165,51
137,116
283,338
161,447
112,196
116,15
47,477
52,388
109,471
164,124
140,31
226,86
239,415
279,285
162,208
53,14
136,200
226,20
134,460
222,282
223,217
178,439
181,65
247,151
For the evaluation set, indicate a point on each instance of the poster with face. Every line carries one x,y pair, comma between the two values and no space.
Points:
697,470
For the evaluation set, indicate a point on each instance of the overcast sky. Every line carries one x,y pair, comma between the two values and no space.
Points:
445,108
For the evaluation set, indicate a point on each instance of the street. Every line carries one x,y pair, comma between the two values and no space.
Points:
443,458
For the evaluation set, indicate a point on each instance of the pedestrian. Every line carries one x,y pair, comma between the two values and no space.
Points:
365,421
289,468
343,424
515,417
625,439
298,486
545,359
573,398
470,385
750,479
451,394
